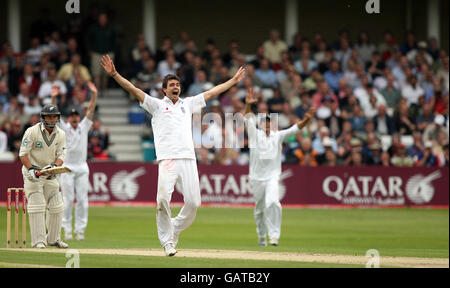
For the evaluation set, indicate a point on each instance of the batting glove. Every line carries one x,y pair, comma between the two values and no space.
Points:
48,167
31,175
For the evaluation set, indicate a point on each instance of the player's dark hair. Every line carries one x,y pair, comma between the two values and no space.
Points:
170,77
167,78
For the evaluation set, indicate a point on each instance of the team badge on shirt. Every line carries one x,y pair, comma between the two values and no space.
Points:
182,110
38,144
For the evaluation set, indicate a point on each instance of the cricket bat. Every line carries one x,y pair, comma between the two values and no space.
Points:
53,171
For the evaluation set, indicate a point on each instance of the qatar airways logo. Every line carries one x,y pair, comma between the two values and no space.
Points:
378,191
419,189
124,185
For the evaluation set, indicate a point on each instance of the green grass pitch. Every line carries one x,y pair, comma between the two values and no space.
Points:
393,232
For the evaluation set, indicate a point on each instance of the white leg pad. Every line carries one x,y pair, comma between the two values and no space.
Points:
37,228
36,216
56,210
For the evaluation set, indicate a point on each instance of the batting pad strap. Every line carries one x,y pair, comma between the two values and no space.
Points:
56,209
36,203
36,208
32,193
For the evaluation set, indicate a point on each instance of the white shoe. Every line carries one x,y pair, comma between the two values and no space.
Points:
170,251
68,236
175,235
79,236
273,241
262,241
40,245
60,244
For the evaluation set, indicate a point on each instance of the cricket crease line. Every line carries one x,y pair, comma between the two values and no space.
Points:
26,265
385,261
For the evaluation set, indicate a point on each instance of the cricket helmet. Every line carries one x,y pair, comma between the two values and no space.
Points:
49,109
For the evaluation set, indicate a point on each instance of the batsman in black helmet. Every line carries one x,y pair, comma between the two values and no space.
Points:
43,146
50,115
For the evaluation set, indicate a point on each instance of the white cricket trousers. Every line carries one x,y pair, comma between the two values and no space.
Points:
74,186
267,207
170,172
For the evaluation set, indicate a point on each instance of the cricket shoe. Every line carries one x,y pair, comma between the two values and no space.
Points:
170,251
262,241
40,245
79,236
60,244
273,241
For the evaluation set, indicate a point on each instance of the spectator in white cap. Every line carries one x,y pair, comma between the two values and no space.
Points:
422,51
327,146
432,130
318,142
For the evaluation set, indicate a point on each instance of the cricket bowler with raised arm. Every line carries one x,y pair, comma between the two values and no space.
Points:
265,170
172,129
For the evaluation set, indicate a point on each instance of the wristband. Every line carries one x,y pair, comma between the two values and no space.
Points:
114,74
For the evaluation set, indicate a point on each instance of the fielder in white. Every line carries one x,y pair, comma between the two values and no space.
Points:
265,170
172,129
43,146
76,155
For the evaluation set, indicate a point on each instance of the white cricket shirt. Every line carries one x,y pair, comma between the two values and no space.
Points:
77,141
265,151
172,125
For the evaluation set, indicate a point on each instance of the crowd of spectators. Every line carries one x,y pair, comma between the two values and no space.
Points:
55,57
378,103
